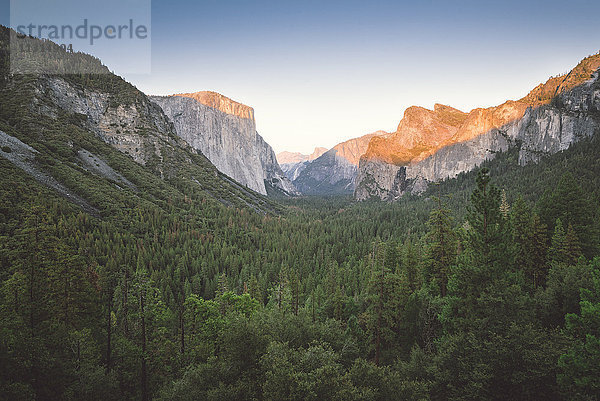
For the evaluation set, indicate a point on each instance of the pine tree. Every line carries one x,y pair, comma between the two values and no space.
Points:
569,203
442,243
558,251
579,366
387,296
222,286
572,245
142,282
392,256
295,290
411,260
529,237
504,206
254,289
282,287
489,238
538,249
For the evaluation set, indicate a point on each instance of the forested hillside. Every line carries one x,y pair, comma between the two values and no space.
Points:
185,286
310,303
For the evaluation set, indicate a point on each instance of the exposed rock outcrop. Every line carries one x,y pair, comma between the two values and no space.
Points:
290,158
434,145
63,123
292,163
334,172
293,170
138,127
418,135
225,132
23,157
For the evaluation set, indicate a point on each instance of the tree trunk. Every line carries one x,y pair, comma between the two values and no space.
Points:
109,333
182,328
296,296
125,303
144,368
378,339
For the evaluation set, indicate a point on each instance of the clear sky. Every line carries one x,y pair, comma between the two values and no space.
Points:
320,72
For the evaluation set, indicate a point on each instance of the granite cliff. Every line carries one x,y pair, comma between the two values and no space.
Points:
334,172
137,128
225,132
292,163
431,145
74,132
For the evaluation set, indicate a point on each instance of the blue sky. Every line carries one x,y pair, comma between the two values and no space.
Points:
320,72
125,54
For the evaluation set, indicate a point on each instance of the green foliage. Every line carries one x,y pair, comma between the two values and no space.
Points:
442,247
564,247
530,239
580,371
313,373
573,207
185,286
488,228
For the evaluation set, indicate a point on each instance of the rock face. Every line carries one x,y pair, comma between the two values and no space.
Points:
418,135
434,145
138,128
334,172
293,170
297,157
292,163
290,157
23,157
225,132
64,123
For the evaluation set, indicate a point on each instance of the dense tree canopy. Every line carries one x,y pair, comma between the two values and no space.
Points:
330,300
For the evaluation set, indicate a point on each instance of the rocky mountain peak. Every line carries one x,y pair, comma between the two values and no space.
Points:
286,157
222,103
333,172
433,145
316,153
351,150
420,132
583,73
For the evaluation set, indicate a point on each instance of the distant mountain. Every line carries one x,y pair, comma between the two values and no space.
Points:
430,145
225,132
334,172
292,163
290,157
296,157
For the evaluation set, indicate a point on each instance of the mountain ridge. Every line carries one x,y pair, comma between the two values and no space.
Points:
293,163
220,102
287,157
480,133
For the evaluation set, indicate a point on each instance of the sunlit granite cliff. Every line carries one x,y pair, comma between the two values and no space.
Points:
334,172
431,145
225,132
